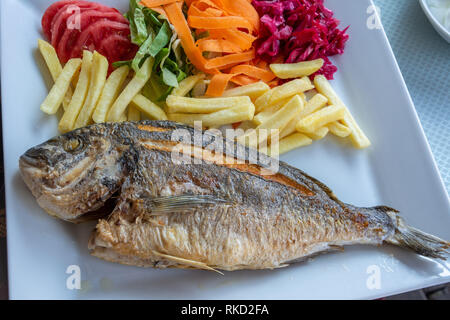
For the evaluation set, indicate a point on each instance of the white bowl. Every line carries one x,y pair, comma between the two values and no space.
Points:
436,24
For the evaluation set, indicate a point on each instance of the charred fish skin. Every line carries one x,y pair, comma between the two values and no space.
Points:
216,215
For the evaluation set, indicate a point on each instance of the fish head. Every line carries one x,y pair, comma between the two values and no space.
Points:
75,173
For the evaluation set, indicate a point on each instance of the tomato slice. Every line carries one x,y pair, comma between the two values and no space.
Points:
70,36
91,37
100,28
117,47
60,21
50,13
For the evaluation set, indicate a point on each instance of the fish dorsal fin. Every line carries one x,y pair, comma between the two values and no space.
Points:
182,203
186,262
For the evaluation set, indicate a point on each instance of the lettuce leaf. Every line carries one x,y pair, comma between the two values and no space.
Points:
157,38
169,78
138,24
142,53
161,40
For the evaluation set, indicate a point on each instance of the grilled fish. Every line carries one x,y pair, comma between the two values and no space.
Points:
218,211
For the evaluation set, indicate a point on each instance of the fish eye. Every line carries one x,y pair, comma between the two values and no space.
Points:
73,144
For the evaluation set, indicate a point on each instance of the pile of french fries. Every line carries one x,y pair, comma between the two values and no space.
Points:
286,119
88,95
273,120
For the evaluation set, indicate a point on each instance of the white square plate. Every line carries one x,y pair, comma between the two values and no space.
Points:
398,170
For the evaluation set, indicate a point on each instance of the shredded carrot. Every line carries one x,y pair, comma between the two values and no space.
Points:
224,61
160,10
176,18
243,80
209,12
273,83
242,39
254,72
262,64
218,84
219,22
205,4
156,3
232,27
218,45
242,8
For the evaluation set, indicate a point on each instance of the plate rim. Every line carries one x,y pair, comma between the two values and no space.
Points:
437,25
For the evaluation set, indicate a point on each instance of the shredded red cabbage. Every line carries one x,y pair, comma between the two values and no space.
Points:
299,30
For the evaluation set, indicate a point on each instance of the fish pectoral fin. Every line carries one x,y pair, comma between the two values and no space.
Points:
182,203
186,262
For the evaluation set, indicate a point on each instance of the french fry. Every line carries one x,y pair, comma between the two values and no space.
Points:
282,117
315,103
50,57
320,118
109,93
303,96
262,101
289,89
148,108
289,143
97,82
276,122
201,105
217,119
75,79
266,113
131,90
56,96
358,138
296,70
253,90
290,127
339,130
187,85
324,87
319,133
200,88
133,114
54,66
67,121
308,82
122,118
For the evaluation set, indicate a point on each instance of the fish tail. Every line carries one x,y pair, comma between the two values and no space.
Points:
420,242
